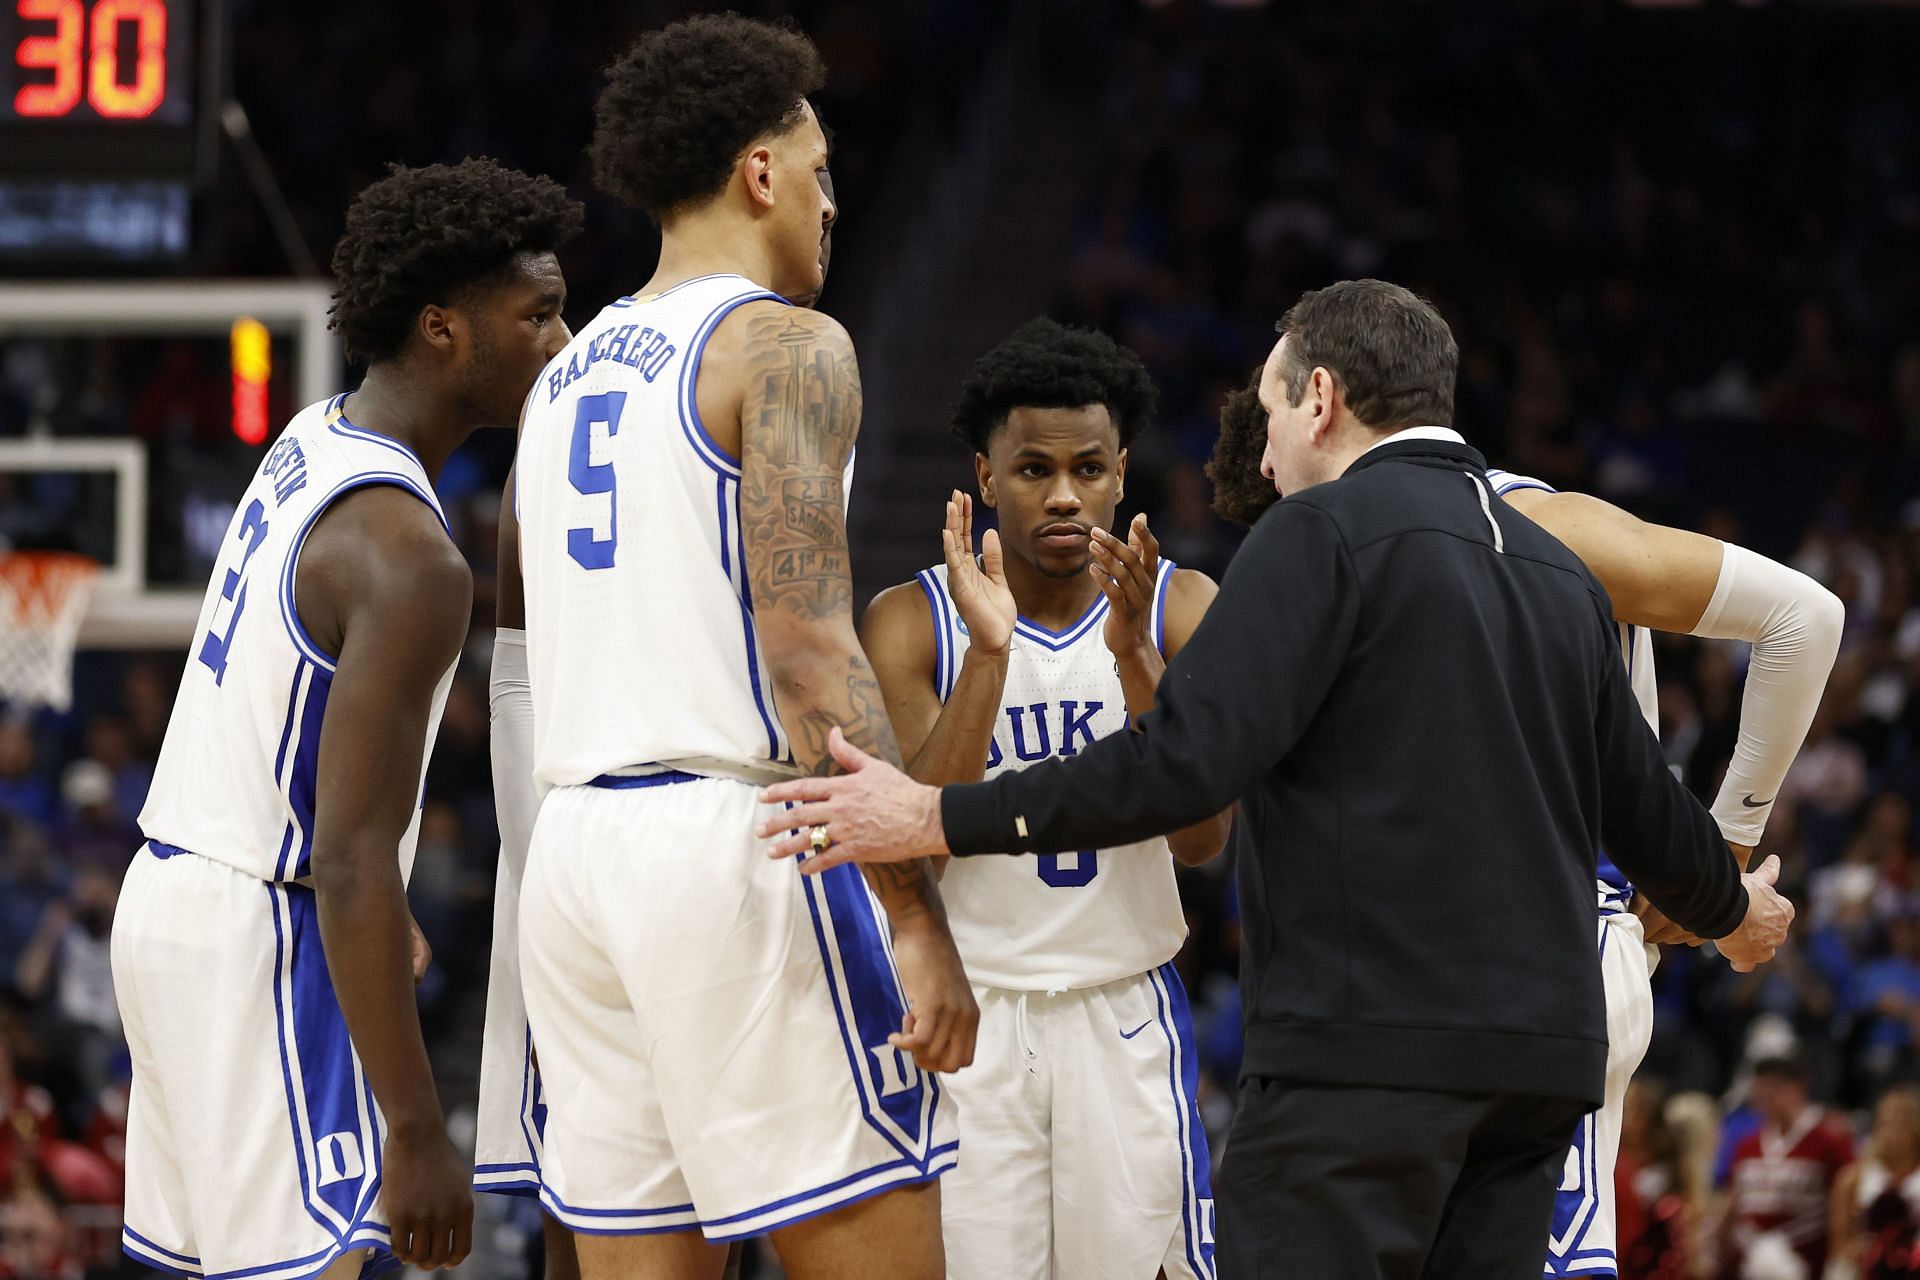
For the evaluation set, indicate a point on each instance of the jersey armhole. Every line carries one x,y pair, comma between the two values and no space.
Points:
943,678
308,647
691,425
1167,569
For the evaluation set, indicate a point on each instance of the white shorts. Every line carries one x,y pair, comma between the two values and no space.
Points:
1582,1240
253,1141
513,1106
712,1025
1084,1154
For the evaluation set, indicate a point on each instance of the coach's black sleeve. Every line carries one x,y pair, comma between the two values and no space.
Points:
1232,702
1653,828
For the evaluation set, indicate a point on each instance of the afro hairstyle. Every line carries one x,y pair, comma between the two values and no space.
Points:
1048,365
427,235
683,103
1241,495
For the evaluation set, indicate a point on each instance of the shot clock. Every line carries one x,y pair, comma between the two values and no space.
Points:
109,87
107,112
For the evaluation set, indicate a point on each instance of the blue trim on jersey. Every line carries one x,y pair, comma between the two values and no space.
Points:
1505,482
808,1202
379,1261
1183,1078
1167,568
627,300
690,424
165,851
533,1112
774,749
634,781
328,1099
340,425
128,1233
1604,869
868,1005
303,778
289,611
1575,1208
942,632
908,1172
1028,629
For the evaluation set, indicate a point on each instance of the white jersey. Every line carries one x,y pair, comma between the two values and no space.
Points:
640,627
1062,920
1636,646
236,776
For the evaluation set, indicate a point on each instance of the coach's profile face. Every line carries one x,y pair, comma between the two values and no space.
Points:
1292,460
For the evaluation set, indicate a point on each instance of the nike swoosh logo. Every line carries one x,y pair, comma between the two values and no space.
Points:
1751,803
1128,1035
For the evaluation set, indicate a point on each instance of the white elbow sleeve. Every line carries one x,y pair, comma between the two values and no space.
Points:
516,799
1794,626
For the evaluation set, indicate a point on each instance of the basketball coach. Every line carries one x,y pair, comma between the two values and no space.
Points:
1423,694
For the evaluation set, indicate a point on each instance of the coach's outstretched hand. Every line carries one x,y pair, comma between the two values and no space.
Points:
872,813
427,1191
1765,925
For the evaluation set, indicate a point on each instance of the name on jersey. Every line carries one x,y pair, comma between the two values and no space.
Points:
639,347
1031,730
286,467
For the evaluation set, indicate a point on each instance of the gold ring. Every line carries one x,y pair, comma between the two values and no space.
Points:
818,838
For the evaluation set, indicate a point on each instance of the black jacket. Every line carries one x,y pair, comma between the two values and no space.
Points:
1424,692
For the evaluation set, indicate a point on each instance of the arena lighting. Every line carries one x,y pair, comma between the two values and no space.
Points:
252,362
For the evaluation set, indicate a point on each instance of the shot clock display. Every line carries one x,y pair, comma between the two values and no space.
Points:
101,87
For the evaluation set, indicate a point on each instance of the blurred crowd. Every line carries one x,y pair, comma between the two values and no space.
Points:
1693,289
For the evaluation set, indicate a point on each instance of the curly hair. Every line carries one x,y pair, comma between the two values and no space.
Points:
1241,494
426,235
1048,365
684,102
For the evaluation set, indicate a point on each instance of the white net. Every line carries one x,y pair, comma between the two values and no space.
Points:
43,598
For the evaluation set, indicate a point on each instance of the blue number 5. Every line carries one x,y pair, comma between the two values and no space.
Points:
1086,865
589,477
213,650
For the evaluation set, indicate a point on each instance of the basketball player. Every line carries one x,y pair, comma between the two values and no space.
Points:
513,1109
726,1046
284,1121
1659,579
1084,1153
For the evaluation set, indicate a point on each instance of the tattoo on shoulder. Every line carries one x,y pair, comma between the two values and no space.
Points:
799,417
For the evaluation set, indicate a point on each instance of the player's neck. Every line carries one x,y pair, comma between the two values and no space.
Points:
688,252
1054,603
398,407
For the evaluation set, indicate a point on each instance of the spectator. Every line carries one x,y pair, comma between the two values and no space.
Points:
1876,1199
68,970
1775,1218
1653,1221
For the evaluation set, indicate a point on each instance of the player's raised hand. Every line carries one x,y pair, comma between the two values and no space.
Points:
871,813
1127,572
1764,928
942,1018
426,1188
978,587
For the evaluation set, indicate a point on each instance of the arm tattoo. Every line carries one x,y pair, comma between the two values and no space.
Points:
798,419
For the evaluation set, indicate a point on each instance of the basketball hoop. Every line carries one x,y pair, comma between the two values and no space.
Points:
43,598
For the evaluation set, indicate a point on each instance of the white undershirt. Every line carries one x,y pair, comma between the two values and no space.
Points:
1417,433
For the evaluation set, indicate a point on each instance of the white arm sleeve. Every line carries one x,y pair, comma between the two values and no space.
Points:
516,798
1794,626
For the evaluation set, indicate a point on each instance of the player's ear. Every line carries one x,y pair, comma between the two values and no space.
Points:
757,168
1120,477
438,327
983,476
